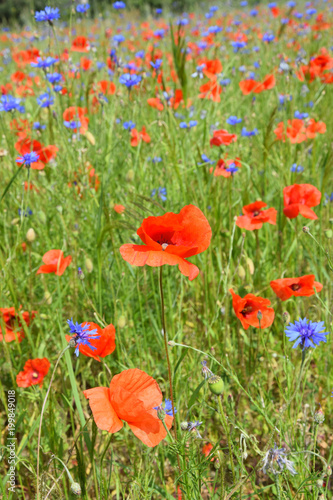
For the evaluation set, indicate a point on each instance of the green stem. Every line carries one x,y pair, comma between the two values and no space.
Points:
277,484
165,337
226,429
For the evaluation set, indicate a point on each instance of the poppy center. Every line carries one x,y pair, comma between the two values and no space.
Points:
295,287
35,375
256,213
247,310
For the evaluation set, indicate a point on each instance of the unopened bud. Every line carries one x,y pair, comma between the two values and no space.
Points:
171,343
241,272
130,175
328,233
320,483
184,426
121,322
319,416
31,235
76,488
329,470
216,384
259,315
80,273
48,297
72,342
161,413
89,265
306,229
286,318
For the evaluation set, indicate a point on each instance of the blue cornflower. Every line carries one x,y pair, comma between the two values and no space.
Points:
54,77
296,168
49,14
82,335
159,33
140,54
167,408
182,22
28,158
158,11
253,12
199,71
45,100
225,82
72,124
213,8
214,29
243,3
130,80
291,4
238,45
311,12
119,5
156,159
268,37
161,193
119,38
232,168
82,8
205,159
10,103
248,133
38,126
128,125
300,116
26,212
307,333
233,120
157,64
44,63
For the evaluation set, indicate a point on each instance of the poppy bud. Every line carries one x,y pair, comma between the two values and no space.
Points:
171,343
15,221
306,229
216,384
48,297
319,416
89,265
328,233
329,470
130,175
76,488
31,235
42,217
121,322
241,272
250,265
286,318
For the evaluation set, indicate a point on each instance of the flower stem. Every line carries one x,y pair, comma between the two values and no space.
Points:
226,428
42,413
165,337
277,484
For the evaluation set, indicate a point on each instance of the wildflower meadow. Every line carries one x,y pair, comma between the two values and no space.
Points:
166,228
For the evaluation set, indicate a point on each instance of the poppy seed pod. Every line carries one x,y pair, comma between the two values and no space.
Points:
31,235
216,385
89,265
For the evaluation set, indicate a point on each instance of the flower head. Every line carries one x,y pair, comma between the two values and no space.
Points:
48,14
130,80
82,335
306,332
33,373
277,457
167,408
101,341
10,103
28,158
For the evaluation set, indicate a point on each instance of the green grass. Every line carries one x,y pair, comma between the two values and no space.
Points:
265,401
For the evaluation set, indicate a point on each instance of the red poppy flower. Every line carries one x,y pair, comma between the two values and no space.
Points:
206,449
156,103
75,113
254,217
55,262
106,87
170,239
249,85
298,199
212,67
297,287
222,138
80,44
131,397
247,308
33,373
45,153
105,344
119,209
222,166
85,63
137,136
315,128
13,326
211,90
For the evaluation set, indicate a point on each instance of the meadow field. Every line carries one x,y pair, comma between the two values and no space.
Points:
166,254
